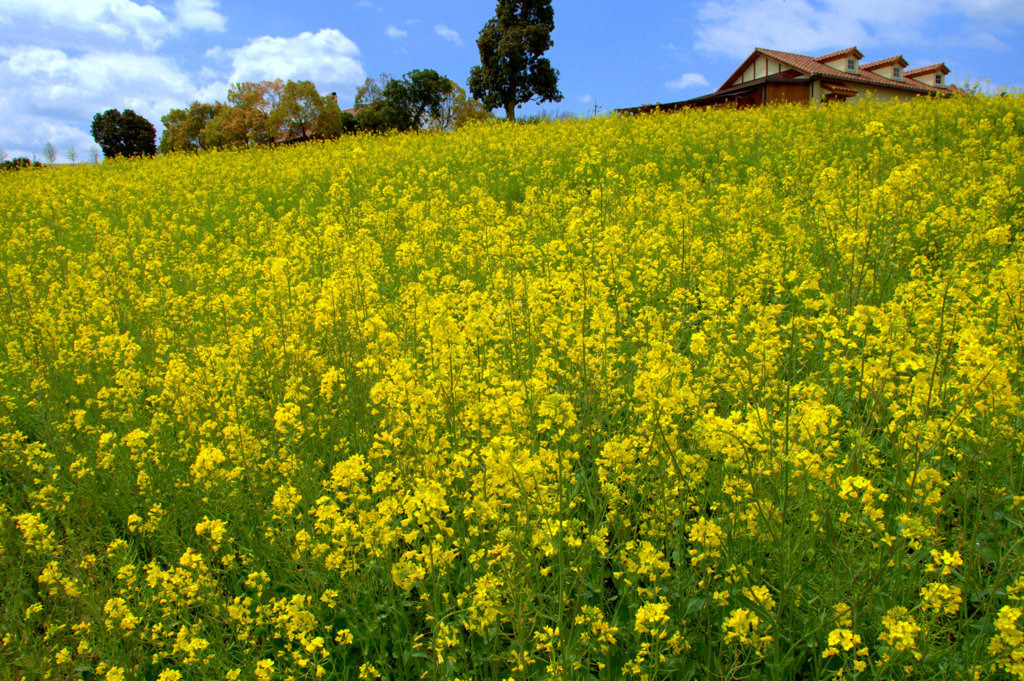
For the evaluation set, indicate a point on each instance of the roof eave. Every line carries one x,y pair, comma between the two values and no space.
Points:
839,53
740,70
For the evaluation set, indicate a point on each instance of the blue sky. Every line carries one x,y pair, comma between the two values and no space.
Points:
61,61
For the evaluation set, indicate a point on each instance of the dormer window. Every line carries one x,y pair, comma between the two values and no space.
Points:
938,79
896,73
851,64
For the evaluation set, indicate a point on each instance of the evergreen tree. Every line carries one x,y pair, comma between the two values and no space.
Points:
512,70
123,134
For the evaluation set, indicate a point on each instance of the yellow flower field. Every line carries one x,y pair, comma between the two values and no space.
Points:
715,395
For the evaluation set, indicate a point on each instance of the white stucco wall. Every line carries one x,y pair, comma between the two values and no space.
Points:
888,72
878,94
929,79
839,64
761,67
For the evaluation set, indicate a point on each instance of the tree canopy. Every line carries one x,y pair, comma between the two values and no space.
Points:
183,128
512,70
256,113
416,96
123,134
457,109
406,103
302,113
18,163
246,121
277,112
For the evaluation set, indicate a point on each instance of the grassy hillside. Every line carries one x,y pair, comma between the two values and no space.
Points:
715,394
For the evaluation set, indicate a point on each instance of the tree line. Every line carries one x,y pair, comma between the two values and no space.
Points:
275,112
512,71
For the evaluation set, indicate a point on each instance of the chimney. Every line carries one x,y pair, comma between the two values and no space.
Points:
334,97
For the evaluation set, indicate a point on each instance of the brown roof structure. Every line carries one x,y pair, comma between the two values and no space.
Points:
925,70
841,53
837,89
898,59
795,71
814,67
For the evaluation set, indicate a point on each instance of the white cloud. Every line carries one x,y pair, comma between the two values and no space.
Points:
735,27
586,99
51,96
199,15
393,32
324,57
995,10
94,24
687,80
119,20
50,82
448,33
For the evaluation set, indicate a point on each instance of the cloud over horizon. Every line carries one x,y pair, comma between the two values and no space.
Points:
735,27
123,21
81,58
58,92
327,56
687,80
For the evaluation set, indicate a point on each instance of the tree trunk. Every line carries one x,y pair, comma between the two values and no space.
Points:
510,112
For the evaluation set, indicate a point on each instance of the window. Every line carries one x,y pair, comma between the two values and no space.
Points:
851,64
896,72
938,79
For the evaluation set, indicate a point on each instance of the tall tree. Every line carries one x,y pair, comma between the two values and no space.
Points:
416,96
50,153
372,89
456,110
512,69
406,103
246,122
183,128
123,134
332,123
371,111
301,113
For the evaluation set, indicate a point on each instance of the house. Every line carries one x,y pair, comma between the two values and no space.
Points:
770,76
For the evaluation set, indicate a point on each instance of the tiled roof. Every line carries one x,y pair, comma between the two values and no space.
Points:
839,89
802,62
898,59
806,69
815,67
841,53
924,70
925,86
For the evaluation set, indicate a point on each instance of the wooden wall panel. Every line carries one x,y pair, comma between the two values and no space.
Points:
796,93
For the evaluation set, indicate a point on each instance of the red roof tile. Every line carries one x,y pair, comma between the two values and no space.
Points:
841,53
839,89
924,70
815,67
898,59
